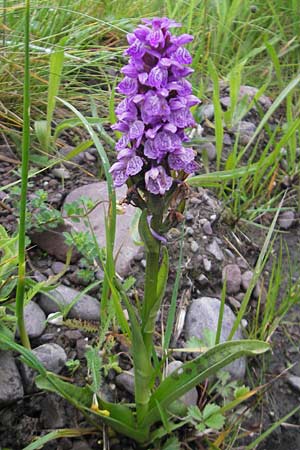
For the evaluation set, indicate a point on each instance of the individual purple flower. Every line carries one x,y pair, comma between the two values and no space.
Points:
157,180
156,109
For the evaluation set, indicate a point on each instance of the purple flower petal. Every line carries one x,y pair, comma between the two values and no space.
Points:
128,86
157,181
157,236
134,166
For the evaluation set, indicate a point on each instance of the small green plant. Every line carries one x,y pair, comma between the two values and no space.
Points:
211,417
72,365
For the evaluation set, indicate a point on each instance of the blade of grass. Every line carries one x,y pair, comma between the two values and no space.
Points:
218,111
25,159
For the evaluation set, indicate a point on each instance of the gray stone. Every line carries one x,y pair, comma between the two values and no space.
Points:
208,111
203,280
227,139
35,320
202,315
86,308
294,382
11,388
61,173
126,380
206,227
210,150
53,414
191,397
206,264
57,267
233,276
246,280
286,220
225,101
245,130
125,248
215,250
250,92
53,242
194,246
52,356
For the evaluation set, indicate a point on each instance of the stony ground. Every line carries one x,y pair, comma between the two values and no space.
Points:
213,249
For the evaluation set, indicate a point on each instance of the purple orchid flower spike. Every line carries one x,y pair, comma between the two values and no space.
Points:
155,110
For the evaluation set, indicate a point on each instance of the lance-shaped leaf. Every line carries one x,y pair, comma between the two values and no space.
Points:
192,373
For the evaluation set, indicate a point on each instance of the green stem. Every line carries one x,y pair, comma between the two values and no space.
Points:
25,159
150,295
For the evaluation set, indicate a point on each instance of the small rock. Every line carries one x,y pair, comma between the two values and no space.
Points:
81,346
58,267
242,263
53,415
207,228
246,280
55,319
190,231
52,356
191,397
206,264
99,274
189,217
194,246
210,150
208,111
227,139
61,173
73,335
89,157
80,445
35,320
86,308
234,302
202,315
126,380
215,250
203,280
251,91
245,130
225,101
286,220
294,382
11,388
233,276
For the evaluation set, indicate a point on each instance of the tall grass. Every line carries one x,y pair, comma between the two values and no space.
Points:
227,32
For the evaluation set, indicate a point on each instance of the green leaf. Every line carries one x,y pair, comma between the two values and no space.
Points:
195,413
62,433
94,367
148,239
192,373
209,410
56,66
220,177
216,421
162,279
172,444
40,128
241,391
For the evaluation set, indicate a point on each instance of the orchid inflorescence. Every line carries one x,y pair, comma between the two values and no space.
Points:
156,109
